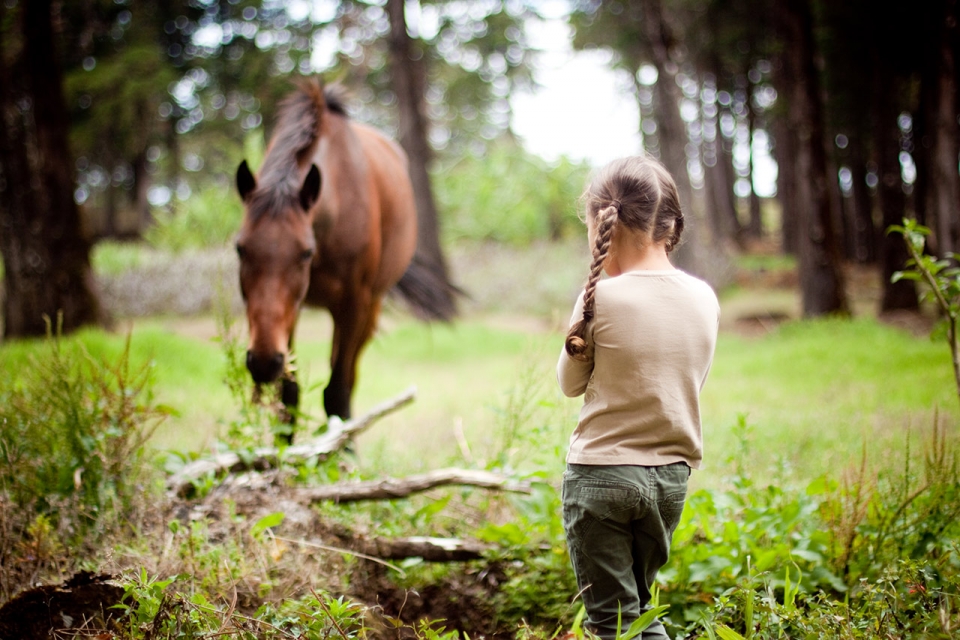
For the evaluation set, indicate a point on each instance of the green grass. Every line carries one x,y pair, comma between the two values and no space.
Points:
187,375
816,391
766,262
813,391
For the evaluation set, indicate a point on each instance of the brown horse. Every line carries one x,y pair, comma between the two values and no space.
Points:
341,245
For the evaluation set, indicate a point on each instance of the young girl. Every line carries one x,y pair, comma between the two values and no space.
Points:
640,346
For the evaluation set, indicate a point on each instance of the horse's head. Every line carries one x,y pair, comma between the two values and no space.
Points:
276,247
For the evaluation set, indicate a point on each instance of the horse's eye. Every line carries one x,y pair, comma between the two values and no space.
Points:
241,251
306,255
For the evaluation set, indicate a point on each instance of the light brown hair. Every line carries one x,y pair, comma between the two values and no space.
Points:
638,193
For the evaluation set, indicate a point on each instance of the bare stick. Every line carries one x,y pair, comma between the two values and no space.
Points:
430,549
337,436
390,488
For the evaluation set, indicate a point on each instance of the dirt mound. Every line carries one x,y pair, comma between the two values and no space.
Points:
84,601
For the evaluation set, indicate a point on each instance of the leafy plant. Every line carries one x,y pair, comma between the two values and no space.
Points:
942,277
508,195
209,218
72,434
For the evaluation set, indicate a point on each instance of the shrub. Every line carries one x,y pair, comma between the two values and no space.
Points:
73,429
209,218
508,196
886,544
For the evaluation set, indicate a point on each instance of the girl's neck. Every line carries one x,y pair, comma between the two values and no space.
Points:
629,255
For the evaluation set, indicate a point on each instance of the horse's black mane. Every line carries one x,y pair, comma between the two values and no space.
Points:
295,137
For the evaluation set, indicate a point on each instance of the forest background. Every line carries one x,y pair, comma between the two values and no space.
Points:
123,124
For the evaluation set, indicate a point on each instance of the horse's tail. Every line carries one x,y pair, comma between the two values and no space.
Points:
427,291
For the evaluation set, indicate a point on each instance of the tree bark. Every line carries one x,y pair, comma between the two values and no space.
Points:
408,77
893,252
821,276
392,488
723,212
784,150
46,257
755,225
672,134
864,231
944,184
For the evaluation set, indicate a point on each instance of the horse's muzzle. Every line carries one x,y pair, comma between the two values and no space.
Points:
265,369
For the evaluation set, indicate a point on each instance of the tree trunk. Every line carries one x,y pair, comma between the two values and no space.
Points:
672,134
138,196
408,78
864,231
893,252
944,185
46,259
755,225
821,276
723,211
784,150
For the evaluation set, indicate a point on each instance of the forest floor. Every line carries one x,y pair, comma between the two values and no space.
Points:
530,288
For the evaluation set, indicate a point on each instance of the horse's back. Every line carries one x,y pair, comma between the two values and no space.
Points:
393,203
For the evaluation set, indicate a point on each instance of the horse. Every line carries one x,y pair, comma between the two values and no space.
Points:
330,220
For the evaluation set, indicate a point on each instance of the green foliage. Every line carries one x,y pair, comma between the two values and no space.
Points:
508,195
943,279
805,375
539,584
156,609
890,537
72,434
210,218
730,535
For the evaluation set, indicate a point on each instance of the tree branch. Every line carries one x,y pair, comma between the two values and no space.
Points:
337,436
391,488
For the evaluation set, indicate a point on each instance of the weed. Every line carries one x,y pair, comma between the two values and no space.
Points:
942,278
74,428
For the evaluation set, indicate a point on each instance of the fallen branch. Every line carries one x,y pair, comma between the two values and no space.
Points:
400,488
430,549
337,436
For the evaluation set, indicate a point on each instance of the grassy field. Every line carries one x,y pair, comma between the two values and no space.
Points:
812,392
789,410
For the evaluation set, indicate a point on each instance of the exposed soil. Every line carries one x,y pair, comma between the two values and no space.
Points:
82,602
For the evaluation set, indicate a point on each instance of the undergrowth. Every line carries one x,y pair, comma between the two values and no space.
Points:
866,551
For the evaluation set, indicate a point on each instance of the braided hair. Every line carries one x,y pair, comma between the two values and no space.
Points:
640,194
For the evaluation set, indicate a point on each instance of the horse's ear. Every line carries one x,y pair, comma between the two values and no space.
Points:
310,190
246,183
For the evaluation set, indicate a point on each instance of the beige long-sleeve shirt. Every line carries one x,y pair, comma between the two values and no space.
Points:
651,345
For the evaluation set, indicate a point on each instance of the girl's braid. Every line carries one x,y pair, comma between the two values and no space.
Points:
576,344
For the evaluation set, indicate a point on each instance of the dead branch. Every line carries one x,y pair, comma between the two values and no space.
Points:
430,549
337,436
390,488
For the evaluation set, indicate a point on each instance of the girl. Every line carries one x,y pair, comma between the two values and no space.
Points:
640,345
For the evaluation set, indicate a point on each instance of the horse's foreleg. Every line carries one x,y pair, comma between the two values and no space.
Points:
290,399
354,328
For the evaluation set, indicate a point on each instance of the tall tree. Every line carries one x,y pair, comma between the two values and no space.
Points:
46,258
821,276
650,33
408,78
943,196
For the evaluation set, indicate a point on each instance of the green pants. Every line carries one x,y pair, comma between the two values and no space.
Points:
619,521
